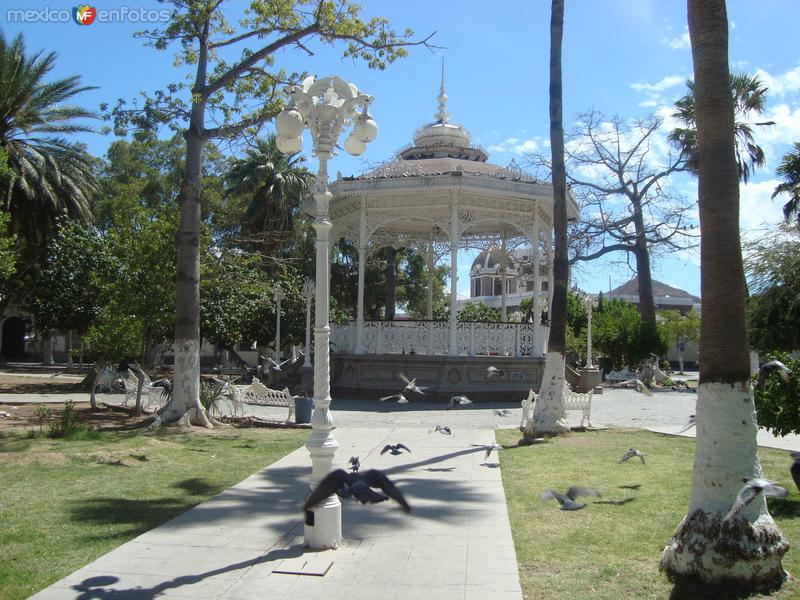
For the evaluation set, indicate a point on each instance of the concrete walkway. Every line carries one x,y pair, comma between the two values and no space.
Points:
456,543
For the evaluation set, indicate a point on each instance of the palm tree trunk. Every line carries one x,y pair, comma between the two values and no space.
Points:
749,551
549,416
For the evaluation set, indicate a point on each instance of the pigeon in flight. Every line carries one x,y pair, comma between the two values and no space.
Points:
769,367
358,486
355,464
493,372
394,449
411,385
502,412
278,366
567,501
493,447
689,424
401,399
443,429
639,385
457,401
630,454
795,469
751,490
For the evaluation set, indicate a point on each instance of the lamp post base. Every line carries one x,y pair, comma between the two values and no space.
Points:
323,525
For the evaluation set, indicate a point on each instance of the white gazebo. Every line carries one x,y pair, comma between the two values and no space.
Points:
439,195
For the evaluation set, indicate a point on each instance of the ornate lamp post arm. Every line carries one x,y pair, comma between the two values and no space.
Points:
325,106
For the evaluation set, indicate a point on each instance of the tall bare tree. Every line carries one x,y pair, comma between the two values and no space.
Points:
228,96
618,171
746,549
548,415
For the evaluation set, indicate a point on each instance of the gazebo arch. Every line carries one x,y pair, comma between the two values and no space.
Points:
441,194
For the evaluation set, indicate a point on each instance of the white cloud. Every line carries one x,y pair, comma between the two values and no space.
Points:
782,84
757,209
517,146
677,43
664,84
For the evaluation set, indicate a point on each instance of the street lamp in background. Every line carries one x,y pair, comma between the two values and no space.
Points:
308,293
325,106
589,302
279,295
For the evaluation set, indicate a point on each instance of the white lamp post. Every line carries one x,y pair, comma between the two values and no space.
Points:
589,303
279,295
325,106
308,292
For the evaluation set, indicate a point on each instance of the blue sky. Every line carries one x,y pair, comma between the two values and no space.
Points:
622,57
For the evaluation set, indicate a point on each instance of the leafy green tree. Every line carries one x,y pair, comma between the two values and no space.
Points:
8,245
772,265
749,100
480,312
228,95
680,329
789,169
412,292
67,289
269,185
776,401
52,175
622,336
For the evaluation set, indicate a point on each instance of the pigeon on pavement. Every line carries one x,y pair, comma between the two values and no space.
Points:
394,449
458,401
502,412
443,429
358,486
689,424
355,464
630,454
567,501
751,490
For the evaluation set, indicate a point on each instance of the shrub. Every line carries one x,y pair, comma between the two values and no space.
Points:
777,400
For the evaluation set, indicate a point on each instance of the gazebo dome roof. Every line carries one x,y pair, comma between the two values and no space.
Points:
441,139
491,258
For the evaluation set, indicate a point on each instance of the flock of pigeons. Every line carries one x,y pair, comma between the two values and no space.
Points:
363,485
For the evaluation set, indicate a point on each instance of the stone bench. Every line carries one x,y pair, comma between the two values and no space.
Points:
259,394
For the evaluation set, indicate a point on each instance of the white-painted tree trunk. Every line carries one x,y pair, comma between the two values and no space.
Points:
47,348
749,550
549,417
186,387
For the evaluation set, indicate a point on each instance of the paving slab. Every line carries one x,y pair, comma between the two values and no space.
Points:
230,546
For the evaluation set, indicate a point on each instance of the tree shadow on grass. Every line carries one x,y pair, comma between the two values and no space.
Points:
694,589
195,486
138,515
785,508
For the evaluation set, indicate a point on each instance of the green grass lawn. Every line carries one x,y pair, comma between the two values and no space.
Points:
608,551
64,503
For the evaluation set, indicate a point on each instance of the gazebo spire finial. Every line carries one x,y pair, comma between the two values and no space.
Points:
441,115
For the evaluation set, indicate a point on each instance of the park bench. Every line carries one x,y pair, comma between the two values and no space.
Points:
153,396
259,394
572,401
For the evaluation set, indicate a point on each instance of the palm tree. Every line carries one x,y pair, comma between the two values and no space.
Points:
790,170
548,417
270,184
748,95
746,551
52,176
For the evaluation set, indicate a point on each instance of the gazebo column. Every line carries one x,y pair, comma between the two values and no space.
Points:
536,258
362,262
453,279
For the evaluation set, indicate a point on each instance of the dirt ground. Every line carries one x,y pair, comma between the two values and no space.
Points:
23,415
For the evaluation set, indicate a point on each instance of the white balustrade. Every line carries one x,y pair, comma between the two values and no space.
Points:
433,337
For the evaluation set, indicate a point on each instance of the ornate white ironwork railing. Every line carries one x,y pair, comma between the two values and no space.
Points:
433,337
